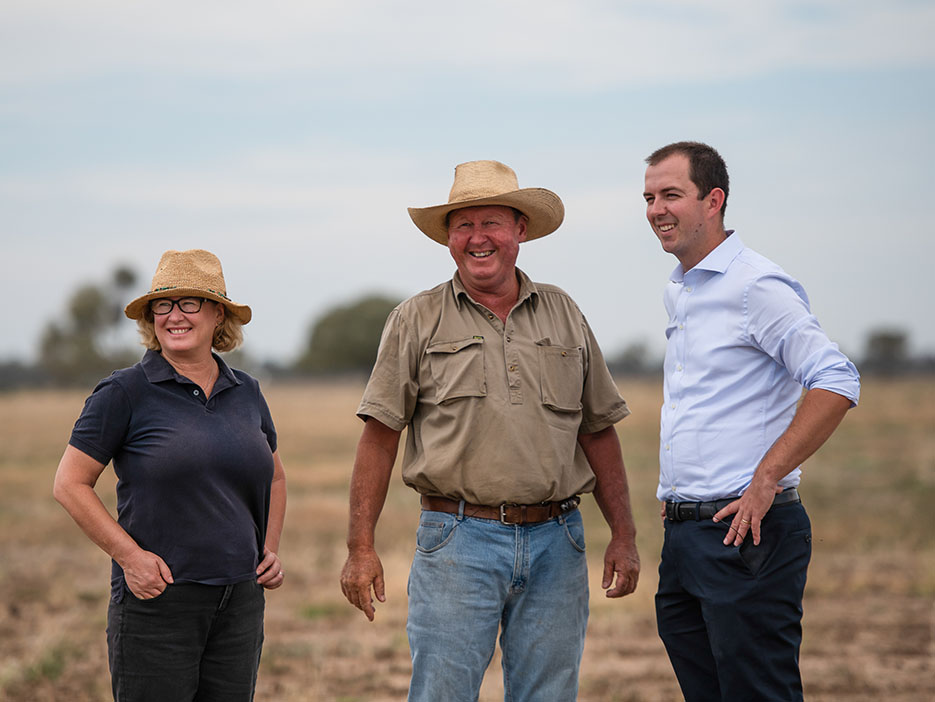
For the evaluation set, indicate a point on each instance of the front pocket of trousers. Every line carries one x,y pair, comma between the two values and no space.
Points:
574,530
758,558
434,534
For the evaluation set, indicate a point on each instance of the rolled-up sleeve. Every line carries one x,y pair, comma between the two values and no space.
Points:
780,323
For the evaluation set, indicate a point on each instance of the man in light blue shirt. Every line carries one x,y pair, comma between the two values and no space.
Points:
742,343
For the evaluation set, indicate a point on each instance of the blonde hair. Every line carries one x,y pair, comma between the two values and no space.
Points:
228,335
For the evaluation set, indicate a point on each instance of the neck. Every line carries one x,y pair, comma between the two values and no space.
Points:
500,300
202,369
712,241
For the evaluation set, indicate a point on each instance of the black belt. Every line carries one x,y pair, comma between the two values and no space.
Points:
688,511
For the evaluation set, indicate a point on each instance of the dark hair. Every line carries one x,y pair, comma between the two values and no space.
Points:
706,168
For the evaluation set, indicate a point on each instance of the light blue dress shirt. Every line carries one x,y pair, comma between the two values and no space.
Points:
742,343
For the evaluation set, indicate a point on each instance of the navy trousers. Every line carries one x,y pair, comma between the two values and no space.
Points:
192,643
731,618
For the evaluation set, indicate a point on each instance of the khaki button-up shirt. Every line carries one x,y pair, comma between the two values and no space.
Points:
493,409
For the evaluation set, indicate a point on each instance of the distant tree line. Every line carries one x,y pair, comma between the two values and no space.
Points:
82,346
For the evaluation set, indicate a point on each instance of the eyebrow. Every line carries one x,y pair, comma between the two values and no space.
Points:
670,189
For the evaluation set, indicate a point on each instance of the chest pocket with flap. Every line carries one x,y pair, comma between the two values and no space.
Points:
458,368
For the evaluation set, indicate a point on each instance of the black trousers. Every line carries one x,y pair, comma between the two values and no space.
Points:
731,618
191,643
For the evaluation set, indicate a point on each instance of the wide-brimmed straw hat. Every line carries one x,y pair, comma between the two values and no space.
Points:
480,183
192,273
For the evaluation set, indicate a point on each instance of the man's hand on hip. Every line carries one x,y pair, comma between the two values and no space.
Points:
748,513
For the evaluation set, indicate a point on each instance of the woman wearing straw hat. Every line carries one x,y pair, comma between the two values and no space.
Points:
201,494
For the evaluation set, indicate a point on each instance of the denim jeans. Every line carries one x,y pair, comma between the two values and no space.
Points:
471,578
731,618
193,642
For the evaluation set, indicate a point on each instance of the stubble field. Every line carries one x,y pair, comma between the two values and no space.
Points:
869,605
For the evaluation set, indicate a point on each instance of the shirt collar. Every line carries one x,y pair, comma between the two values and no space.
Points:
527,289
157,369
717,261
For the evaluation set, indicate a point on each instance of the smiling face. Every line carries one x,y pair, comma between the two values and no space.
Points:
484,242
188,334
687,227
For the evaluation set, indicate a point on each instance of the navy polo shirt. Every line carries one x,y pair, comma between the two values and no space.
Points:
194,473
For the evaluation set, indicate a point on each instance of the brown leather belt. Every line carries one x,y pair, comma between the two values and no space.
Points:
508,513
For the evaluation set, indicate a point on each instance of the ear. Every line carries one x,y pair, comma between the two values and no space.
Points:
715,201
221,312
523,221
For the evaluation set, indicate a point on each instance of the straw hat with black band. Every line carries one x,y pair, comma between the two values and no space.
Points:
192,273
483,183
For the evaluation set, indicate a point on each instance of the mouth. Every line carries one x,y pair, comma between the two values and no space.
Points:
665,227
480,254
177,332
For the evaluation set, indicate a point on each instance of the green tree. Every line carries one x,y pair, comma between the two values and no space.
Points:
80,348
345,339
887,352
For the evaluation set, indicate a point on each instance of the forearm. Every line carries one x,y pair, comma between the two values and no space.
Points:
85,507
373,466
819,414
277,505
611,491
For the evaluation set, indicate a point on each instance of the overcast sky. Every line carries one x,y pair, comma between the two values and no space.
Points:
289,138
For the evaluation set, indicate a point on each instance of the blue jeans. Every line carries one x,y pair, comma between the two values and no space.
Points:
191,643
472,577
731,618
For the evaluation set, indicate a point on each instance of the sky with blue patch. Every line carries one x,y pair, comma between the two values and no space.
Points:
290,137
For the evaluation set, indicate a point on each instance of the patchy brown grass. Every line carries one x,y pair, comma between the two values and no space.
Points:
869,613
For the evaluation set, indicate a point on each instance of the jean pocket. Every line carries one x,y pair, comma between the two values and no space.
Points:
435,531
574,530
158,597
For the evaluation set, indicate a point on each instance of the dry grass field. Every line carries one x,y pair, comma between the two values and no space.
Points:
869,612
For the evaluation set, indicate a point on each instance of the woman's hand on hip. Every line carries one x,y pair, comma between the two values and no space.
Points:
147,575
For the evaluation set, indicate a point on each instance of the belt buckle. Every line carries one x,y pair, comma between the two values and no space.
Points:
503,507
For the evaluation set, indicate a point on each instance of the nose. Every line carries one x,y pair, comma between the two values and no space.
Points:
654,208
175,314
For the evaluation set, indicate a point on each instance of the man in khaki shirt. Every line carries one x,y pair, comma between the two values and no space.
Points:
510,411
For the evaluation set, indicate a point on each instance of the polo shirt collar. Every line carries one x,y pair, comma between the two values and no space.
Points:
527,289
717,261
157,369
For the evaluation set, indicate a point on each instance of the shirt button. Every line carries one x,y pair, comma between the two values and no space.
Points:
512,368
688,288
667,447
508,340
681,326
194,392
672,405
678,367
489,316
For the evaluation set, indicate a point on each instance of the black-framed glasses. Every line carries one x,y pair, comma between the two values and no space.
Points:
189,305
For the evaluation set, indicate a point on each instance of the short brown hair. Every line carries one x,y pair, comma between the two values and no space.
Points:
706,168
228,335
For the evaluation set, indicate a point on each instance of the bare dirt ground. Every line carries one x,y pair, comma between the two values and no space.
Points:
869,606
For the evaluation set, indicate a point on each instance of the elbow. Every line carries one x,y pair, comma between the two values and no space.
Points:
59,491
